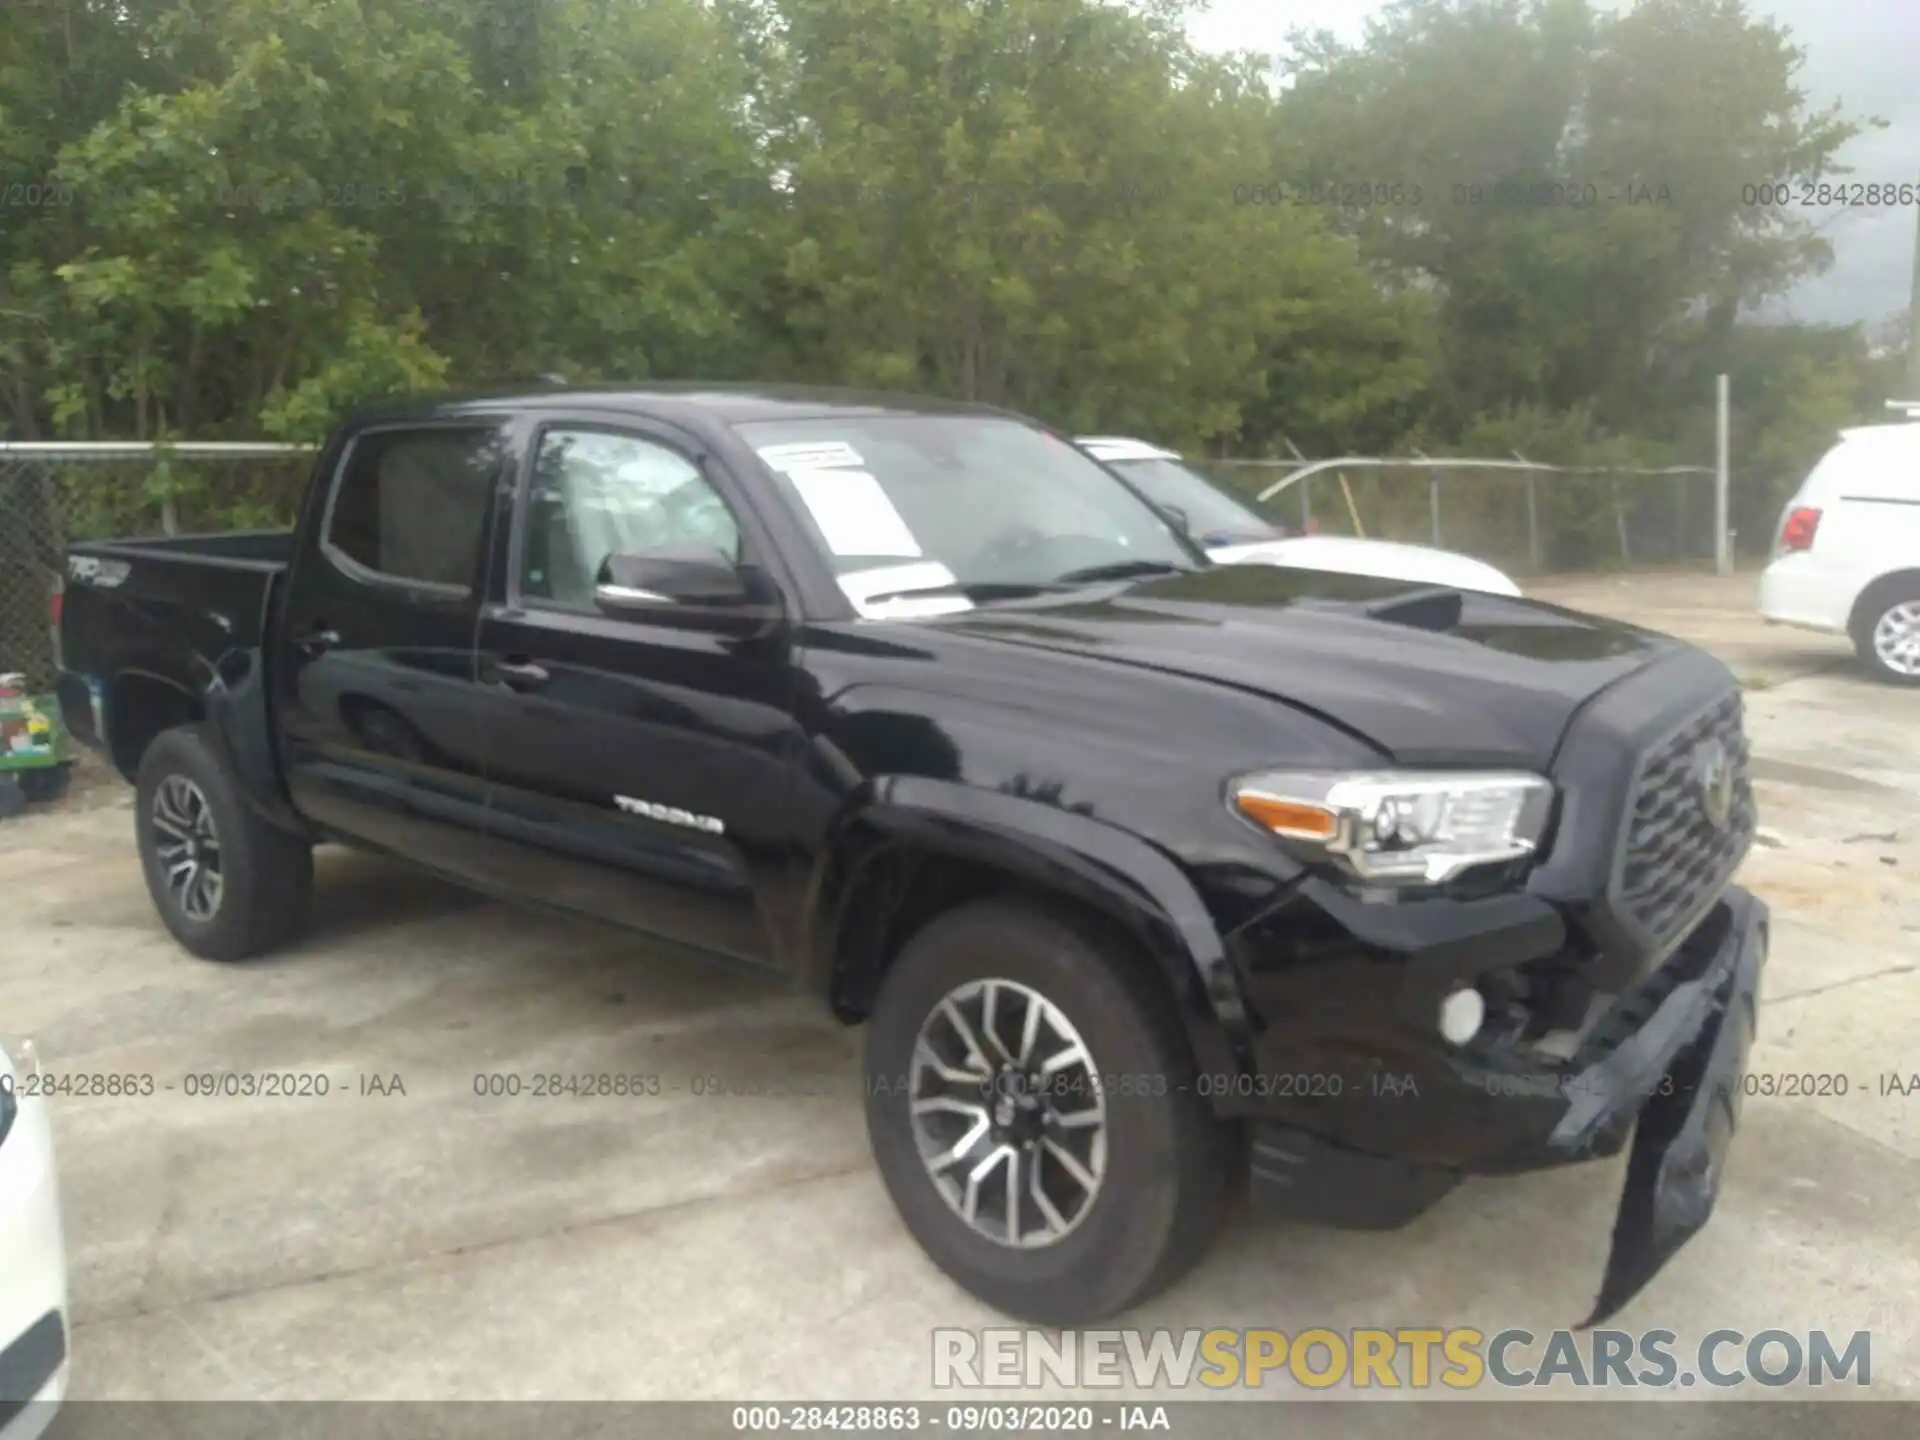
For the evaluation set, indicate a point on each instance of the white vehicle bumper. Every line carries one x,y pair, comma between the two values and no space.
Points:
1797,589
33,1274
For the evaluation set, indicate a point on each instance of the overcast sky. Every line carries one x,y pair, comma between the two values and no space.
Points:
1862,52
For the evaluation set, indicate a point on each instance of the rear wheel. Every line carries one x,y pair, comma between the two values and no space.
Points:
226,883
1031,1104
1886,633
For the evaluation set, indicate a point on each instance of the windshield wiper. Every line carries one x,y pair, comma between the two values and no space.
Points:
1122,570
981,592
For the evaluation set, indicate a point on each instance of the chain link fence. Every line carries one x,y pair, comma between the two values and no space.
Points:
1526,518
52,495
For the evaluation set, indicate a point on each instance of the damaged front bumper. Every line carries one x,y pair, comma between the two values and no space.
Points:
1663,1067
1681,1140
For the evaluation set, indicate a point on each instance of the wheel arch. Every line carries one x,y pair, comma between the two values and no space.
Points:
922,847
1872,593
141,706
229,700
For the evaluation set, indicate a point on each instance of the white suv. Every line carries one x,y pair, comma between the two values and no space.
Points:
1847,554
33,1267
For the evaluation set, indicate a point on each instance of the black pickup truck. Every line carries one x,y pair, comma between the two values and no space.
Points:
1145,874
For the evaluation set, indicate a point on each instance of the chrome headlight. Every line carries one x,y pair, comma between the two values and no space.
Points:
1401,827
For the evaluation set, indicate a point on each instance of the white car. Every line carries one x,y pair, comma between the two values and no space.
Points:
33,1266
1846,558
1232,533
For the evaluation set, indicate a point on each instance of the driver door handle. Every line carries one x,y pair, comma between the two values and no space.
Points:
514,674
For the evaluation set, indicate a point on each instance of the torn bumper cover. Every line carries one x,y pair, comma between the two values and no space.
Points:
1663,1068
1691,1059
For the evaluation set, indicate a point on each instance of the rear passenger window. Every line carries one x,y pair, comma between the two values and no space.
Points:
411,504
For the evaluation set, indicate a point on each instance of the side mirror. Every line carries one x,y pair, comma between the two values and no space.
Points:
1177,518
655,582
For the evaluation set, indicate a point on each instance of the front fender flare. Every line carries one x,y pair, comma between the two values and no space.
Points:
1125,878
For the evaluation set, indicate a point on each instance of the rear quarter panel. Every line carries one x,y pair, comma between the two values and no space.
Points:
171,614
1868,492
196,622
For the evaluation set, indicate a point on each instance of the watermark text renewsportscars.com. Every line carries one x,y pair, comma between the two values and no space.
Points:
1405,1357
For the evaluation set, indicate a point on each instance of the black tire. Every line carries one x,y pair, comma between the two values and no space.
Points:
13,798
266,875
1168,1159
1874,606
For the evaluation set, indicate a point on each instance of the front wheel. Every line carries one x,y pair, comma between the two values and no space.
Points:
1887,633
1031,1104
226,883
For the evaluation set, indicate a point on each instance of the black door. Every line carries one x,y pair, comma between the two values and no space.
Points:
376,691
639,767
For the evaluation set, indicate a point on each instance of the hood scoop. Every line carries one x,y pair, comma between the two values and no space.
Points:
1432,607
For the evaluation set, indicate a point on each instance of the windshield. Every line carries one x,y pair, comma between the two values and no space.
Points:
1213,517
977,506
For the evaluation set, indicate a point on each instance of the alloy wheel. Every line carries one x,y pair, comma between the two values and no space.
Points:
1008,1113
188,845
1896,638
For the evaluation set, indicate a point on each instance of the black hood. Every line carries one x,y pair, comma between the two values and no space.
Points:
1426,675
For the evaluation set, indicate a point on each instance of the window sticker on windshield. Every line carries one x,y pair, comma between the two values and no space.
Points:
811,455
898,592
854,513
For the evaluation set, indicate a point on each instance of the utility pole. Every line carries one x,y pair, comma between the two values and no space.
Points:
1722,475
1913,318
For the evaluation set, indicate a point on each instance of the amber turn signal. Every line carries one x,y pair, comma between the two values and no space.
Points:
1294,818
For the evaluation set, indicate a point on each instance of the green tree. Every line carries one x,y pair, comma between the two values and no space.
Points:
288,205
237,217
1585,219
1031,202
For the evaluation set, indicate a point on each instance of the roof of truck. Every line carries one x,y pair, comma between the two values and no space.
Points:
728,403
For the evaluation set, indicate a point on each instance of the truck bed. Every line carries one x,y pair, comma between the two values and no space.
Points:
180,609
273,548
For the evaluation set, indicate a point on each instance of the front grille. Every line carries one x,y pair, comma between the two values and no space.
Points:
1676,857
1629,1013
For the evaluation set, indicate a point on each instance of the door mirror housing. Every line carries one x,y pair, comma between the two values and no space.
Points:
1177,518
655,582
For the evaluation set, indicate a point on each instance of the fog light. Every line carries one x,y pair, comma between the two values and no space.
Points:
1461,1015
